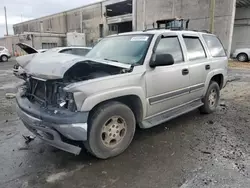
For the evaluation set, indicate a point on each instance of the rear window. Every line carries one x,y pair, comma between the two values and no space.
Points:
214,45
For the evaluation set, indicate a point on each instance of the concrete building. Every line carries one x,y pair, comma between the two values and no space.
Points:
241,34
115,16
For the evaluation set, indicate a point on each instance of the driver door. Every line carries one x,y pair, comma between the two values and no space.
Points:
168,86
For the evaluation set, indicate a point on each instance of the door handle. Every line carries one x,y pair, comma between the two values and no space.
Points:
185,71
207,67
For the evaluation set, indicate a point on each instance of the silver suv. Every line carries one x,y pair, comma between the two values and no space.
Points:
138,78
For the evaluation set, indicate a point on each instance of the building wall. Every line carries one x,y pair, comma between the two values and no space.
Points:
198,11
91,16
9,43
91,20
36,41
68,21
50,24
241,36
47,41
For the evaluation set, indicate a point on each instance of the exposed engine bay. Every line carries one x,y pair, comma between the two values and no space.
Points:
51,93
91,70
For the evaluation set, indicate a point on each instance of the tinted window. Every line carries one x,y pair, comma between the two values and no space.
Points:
66,51
80,51
194,48
170,45
1,49
214,45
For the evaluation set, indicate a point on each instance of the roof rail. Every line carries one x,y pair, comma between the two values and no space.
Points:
152,29
175,29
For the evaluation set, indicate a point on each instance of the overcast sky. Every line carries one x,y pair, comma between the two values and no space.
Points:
23,10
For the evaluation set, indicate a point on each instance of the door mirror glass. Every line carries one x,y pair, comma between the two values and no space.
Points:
162,60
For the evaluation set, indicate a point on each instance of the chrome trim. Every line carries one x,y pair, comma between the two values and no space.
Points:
172,108
174,94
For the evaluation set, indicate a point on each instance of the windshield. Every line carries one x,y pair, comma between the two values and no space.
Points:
128,49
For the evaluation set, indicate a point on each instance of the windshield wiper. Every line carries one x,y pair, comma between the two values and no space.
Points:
111,60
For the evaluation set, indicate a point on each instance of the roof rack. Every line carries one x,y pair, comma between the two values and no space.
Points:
173,29
153,29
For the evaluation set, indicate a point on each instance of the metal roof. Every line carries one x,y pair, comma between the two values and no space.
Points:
242,3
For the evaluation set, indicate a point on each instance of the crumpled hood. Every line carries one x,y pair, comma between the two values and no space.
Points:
54,65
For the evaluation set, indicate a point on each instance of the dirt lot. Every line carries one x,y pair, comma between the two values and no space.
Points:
191,151
239,65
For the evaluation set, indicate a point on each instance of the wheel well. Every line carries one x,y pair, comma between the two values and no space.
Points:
4,55
219,79
132,101
242,53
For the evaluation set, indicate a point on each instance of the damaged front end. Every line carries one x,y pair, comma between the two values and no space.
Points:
48,110
48,93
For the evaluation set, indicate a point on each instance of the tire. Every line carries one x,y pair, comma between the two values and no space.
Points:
4,58
242,57
105,140
211,99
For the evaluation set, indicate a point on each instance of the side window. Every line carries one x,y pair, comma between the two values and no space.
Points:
214,45
66,51
170,45
194,48
80,51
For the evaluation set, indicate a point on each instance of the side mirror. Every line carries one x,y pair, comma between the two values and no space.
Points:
162,60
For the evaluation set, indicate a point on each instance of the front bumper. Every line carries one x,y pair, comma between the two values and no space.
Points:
53,125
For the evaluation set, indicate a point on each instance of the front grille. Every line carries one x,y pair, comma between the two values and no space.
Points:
49,93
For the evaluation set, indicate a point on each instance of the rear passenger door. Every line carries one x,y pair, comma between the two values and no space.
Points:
199,64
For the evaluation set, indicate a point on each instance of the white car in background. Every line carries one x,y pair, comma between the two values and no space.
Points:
242,54
80,51
4,54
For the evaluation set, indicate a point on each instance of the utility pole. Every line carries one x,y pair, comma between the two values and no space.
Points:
212,12
6,23
144,15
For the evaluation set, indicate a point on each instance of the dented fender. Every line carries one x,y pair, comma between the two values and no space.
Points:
95,99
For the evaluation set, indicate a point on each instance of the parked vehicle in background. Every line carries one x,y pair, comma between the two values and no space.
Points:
81,51
42,50
19,71
4,54
242,54
138,78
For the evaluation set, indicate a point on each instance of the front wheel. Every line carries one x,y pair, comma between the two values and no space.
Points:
211,99
4,58
111,130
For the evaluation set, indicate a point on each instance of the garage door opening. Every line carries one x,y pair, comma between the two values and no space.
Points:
119,9
120,27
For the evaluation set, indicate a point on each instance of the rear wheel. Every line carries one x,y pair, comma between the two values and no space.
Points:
242,57
4,58
111,130
211,99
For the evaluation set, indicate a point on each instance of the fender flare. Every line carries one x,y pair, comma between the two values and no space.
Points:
97,98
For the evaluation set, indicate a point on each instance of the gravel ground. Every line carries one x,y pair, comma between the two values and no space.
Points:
191,151
239,65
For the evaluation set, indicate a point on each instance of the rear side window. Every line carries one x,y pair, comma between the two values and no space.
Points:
80,51
194,48
1,48
214,45
170,45
66,51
